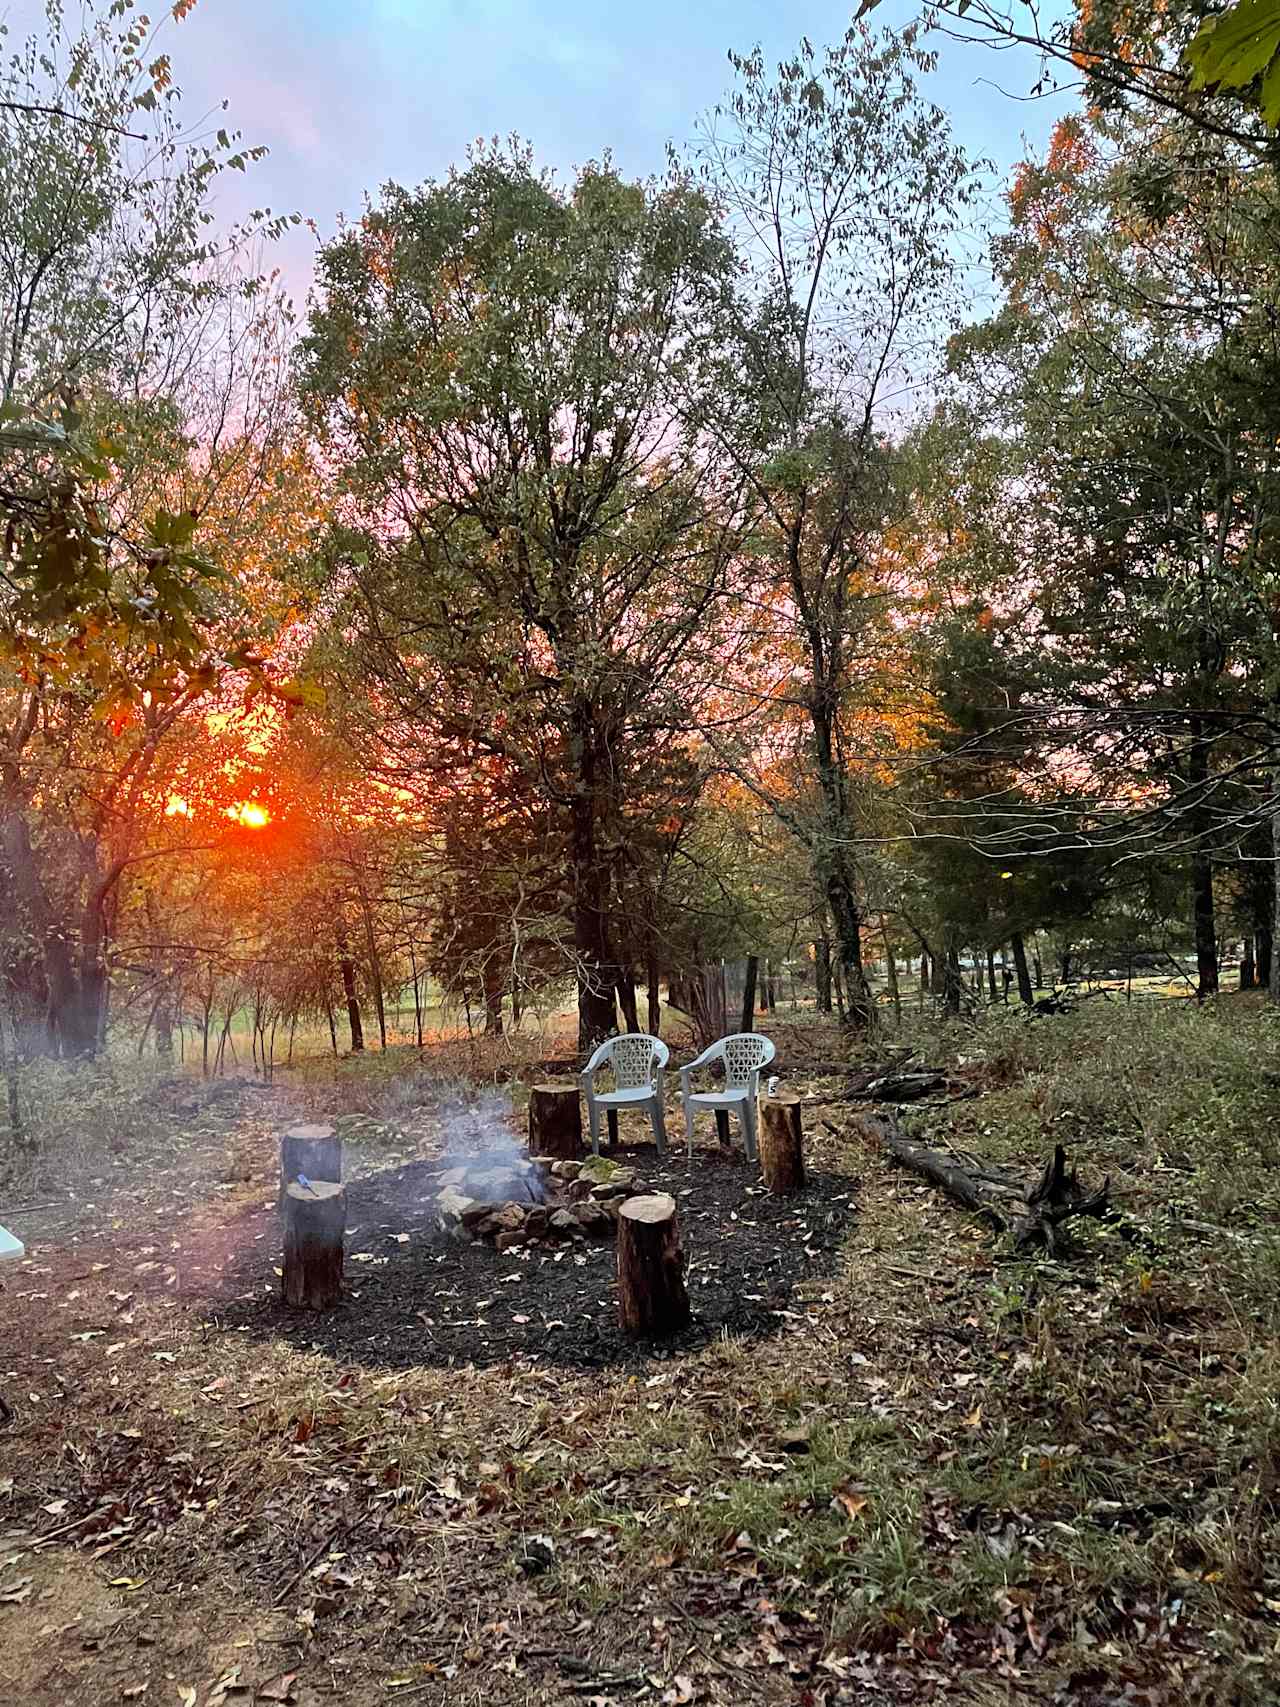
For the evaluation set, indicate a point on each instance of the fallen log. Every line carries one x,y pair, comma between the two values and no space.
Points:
1033,1213
899,1087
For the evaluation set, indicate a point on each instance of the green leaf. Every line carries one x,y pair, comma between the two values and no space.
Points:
1233,49
1270,95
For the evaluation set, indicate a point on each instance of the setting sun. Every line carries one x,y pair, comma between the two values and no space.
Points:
177,807
250,814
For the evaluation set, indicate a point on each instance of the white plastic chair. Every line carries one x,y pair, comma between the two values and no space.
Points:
743,1054
637,1061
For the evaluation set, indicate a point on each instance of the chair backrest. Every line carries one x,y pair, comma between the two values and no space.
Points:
745,1053
635,1057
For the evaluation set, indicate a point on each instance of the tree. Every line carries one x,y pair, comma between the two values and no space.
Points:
847,192
1135,364
128,327
499,368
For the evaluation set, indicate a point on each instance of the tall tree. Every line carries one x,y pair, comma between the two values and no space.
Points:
500,367
847,193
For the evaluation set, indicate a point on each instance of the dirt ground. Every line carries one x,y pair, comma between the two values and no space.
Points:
886,1464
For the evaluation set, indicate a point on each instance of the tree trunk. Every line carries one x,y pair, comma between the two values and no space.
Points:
315,1220
749,994
588,877
1026,994
417,996
782,1143
652,1300
822,974
891,974
492,983
925,985
952,982
346,966
846,915
1248,967
49,934
627,999
1206,933
655,999
1271,977
1038,964
19,1139
991,975
1262,947
555,1122
375,965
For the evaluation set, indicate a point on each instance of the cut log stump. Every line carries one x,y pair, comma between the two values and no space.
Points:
309,1152
782,1143
555,1122
652,1300
315,1221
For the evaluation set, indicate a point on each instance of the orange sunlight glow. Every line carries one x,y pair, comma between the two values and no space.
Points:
250,814
177,807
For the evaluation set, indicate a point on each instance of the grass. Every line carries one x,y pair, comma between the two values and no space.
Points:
1060,1479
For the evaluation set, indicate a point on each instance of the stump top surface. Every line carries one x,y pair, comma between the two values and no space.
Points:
310,1134
657,1206
557,1088
786,1099
319,1190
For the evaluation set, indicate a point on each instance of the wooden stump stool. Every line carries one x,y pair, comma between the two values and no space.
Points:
555,1122
309,1152
315,1222
652,1300
781,1143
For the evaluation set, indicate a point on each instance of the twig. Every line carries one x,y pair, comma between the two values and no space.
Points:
53,1534
342,1529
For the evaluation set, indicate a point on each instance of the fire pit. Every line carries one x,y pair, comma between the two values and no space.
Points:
527,1198
490,1188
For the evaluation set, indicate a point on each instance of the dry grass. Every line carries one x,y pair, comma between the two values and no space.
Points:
1052,1480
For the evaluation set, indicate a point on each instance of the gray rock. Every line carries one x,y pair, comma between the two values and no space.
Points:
453,1205
593,1219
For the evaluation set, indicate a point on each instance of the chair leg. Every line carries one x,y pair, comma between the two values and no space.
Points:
611,1115
659,1130
749,1128
688,1126
593,1120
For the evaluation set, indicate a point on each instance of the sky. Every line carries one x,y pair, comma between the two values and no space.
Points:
347,94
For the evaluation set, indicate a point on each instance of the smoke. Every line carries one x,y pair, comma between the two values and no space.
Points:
481,1154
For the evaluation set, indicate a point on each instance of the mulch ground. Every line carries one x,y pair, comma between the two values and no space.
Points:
417,1297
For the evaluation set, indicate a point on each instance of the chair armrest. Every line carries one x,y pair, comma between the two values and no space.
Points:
587,1081
686,1080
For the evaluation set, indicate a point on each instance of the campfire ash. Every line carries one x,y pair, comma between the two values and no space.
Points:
489,1187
